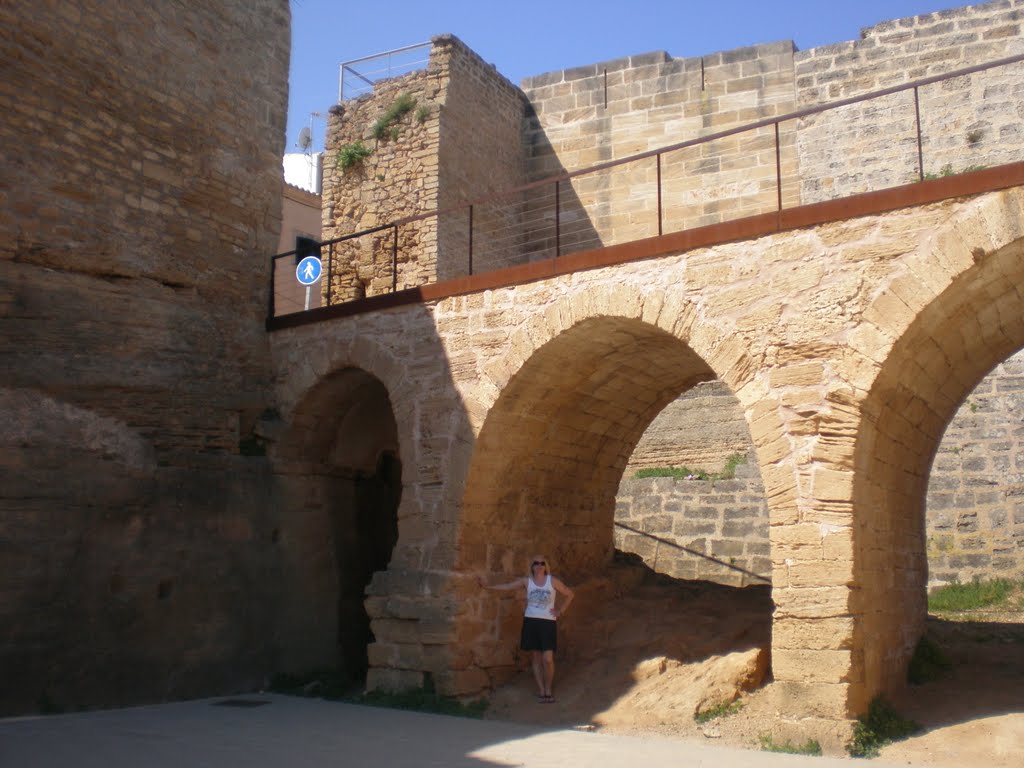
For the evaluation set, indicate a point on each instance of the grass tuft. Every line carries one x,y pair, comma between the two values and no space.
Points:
685,473
968,597
423,700
724,709
350,155
879,726
809,747
386,126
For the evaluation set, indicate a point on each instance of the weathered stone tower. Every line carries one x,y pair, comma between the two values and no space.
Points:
140,193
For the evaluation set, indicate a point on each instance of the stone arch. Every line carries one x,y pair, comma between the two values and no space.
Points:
309,390
553,447
341,458
954,315
584,380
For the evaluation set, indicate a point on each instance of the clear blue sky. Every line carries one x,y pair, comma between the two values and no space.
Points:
527,37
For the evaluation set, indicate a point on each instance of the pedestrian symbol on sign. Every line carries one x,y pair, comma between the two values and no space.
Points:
308,270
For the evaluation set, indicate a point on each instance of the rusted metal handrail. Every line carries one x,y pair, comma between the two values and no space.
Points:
556,180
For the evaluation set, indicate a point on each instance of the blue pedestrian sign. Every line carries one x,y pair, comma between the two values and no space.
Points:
308,270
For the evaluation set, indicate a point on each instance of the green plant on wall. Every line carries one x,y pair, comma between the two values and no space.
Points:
948,170
386,127
387,124
350,155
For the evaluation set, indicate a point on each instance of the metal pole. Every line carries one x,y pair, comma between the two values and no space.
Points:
558,223
659,194
330,271
920,151
471,239
778,167
394,259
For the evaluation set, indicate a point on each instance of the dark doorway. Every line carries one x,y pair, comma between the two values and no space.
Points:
343,462
365,534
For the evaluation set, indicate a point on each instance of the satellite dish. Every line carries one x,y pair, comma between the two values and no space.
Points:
305,138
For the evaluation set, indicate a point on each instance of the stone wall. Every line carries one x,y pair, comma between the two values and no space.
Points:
975,522
140,193
716,529
607,111
711,530
481,154
966,122
398,179
460,141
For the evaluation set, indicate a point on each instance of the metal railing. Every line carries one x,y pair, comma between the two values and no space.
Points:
357,77
694,553
550,217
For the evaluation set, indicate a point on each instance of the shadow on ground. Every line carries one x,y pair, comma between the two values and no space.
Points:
985,676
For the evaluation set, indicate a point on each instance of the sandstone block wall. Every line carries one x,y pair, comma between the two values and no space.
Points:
701,429
975,518
710,530
480,155
971,121
606,111
140,191
715,530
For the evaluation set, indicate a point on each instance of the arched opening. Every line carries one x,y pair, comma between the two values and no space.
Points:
691,502
343,449
544,477
550,456
974,522
973,325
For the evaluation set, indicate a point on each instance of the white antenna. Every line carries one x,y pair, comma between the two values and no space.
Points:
305,143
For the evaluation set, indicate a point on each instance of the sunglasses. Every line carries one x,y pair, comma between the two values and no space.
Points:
539,562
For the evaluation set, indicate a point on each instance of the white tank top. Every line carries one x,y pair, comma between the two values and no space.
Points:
540,601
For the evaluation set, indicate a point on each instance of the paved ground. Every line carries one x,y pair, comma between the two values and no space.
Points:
296,732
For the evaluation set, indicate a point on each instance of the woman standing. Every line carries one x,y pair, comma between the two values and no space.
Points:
539,634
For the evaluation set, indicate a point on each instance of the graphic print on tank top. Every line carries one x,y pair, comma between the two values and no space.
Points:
540,599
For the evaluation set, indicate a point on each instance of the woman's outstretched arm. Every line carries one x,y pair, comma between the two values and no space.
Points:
514,584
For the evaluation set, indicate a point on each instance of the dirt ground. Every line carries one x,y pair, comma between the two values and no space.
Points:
660,650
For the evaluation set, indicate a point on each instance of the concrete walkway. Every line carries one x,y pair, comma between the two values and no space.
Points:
296,732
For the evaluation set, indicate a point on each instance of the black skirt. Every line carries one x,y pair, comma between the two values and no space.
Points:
539,635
